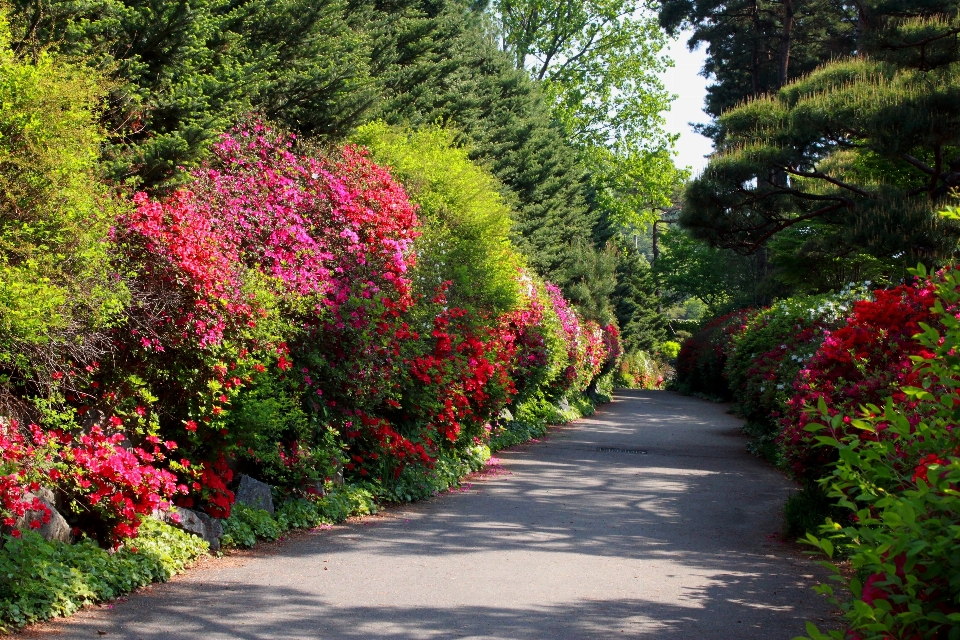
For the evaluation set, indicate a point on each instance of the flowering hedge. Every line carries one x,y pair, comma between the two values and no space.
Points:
767,354
898,467
864,361
703,356
278,325
862,396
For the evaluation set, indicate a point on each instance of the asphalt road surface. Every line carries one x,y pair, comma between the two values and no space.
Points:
648,520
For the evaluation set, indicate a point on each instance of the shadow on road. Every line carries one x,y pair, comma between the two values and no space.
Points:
574,540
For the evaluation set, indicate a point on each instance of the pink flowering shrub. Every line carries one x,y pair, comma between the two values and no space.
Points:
273,328
586,351
20,472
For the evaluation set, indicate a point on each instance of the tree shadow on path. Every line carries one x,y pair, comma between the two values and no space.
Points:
582,536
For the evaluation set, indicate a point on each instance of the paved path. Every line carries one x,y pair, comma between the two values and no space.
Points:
574,539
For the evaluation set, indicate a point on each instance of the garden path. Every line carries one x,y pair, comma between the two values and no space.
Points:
574,537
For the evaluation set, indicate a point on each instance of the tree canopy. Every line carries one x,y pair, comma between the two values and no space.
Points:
857,156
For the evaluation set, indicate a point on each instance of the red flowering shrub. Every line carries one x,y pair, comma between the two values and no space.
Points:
898,469
775,344
703,356
19,474
862,362
107,483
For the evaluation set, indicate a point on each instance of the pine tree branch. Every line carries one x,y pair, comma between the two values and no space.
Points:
754,246
919,164
822,176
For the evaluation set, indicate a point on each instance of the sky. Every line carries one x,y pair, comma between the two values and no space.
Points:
690,88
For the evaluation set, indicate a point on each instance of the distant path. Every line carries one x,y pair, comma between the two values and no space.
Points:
572,540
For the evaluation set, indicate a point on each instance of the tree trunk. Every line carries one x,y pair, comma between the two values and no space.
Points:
786,38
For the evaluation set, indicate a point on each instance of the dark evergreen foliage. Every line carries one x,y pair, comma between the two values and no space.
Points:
443,67
856,157
642,325
184,71
756,46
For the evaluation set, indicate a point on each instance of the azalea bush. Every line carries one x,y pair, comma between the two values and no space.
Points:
640,370
766,356
896,476
866,360
284,320
703,357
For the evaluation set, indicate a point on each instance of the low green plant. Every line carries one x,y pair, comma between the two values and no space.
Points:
40,579
806,511
246,525
340,503
418,482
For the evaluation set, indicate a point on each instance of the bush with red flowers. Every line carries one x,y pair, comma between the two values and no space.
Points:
703,356
864,361
766,356
898,469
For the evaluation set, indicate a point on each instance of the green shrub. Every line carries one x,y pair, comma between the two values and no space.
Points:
669,349
775,344
55,214
283,444
41,580
515,432
896,478
640,370
417,482
246,525
806,511
465,223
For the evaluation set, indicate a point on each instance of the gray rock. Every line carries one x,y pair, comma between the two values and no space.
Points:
181,518
213,531
56,529
338,475
564,404
195,522
256,494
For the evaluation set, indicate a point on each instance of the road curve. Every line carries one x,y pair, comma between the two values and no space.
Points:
648,520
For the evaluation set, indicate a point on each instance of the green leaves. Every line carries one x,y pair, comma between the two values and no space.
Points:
40,580
599,63
899,487
465,237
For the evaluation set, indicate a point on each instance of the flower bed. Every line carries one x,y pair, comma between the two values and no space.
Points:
274,328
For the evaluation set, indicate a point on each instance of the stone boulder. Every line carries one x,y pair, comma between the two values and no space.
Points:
255,494
56,529
212,531
195,522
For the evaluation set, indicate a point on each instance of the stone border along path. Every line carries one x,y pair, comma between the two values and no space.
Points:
581,536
